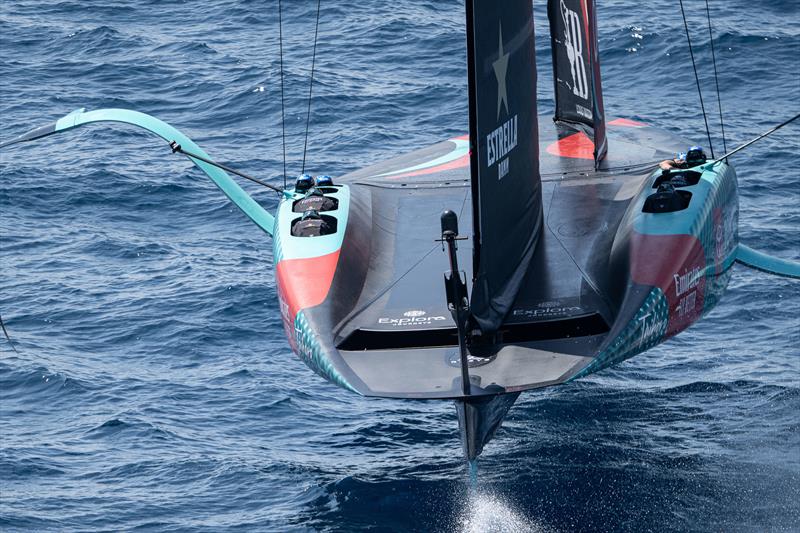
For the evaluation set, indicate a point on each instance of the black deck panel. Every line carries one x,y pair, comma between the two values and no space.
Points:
628,147
567,276
399,338
406,264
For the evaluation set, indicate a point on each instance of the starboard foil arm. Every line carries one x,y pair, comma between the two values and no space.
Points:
767,263
221,179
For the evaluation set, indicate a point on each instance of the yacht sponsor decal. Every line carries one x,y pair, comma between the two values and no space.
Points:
303,343
499,144
284,309
676,264
724,235
413,317
501,141
454,359
651,328
573,42
686,284
287,320
686,281
686,305
546,310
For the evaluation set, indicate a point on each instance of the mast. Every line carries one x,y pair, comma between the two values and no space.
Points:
576,69
504,153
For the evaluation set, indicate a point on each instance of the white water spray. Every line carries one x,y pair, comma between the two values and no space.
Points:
484,511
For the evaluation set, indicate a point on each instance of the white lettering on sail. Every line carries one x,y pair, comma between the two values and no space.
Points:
501,141
502,169
573,42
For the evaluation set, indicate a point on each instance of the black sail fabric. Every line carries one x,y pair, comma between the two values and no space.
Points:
506,186
576,68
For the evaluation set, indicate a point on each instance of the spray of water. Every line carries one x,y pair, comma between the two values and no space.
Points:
484,511
473,475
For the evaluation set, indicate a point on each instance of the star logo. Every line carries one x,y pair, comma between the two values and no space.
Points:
500,68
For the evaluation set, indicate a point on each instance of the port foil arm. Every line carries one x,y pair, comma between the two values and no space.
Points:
254,211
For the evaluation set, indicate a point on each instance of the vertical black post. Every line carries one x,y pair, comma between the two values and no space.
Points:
456,289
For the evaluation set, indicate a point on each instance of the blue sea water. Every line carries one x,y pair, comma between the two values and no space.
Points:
153,389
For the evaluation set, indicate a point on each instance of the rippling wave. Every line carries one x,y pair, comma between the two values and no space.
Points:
153,388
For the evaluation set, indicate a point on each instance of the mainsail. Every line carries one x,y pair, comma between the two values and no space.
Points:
576,68
506,186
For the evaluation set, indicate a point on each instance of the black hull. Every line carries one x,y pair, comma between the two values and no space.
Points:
384,329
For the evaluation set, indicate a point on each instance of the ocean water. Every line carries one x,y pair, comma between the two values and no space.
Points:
152,388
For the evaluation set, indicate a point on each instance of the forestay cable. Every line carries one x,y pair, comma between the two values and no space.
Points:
310,88
751,141
697,78
5,333
283,105
716,78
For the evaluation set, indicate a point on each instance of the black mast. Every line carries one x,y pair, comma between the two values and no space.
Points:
504,154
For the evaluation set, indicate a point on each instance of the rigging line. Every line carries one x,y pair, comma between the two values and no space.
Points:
696,78
716,78
357,311
283,105
633,167
310,88
5,332
177,148
765,134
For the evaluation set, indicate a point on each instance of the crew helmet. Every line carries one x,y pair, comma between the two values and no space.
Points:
303,183
695,156
324,181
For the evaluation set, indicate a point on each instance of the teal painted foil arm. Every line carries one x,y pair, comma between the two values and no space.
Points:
237,195
767,263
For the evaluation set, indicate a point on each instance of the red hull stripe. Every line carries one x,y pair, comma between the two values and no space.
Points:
305,283
627,123
677,265
461,162
577,146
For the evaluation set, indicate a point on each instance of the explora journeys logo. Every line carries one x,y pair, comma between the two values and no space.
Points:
414,317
